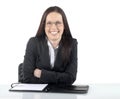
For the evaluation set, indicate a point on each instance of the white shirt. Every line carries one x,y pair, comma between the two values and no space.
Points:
52,53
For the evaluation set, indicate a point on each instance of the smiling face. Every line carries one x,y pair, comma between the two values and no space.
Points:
54,26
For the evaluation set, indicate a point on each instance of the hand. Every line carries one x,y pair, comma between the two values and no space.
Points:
37,73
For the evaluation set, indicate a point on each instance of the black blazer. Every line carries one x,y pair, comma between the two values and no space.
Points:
37,56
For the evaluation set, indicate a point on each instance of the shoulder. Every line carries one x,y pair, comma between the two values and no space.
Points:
32,42
32,39
74,41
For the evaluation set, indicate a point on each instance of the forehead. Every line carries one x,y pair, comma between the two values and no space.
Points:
54,16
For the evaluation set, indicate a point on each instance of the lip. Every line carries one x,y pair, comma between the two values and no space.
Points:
54,33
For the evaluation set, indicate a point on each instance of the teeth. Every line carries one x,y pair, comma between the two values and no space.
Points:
53,32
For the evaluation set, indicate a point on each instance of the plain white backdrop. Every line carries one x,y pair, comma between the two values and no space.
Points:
95,24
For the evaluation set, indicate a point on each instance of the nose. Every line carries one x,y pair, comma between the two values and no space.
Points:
53,26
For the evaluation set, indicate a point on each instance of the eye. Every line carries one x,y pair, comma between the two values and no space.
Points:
49,23
58,23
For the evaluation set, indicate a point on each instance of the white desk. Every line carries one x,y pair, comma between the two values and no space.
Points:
97,91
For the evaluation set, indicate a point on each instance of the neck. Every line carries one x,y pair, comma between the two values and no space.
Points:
54,43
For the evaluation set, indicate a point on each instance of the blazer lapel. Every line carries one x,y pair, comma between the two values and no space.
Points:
44,54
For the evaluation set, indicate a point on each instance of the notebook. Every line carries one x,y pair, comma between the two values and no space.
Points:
79,89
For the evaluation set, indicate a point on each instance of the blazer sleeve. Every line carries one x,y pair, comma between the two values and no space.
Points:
30,61
66,77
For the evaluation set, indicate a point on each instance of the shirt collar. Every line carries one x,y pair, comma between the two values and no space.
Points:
50,45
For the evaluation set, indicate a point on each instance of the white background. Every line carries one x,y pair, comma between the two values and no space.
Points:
95,24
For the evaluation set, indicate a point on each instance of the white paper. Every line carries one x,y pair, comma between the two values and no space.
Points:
29,87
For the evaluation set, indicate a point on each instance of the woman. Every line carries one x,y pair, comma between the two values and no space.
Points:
51,56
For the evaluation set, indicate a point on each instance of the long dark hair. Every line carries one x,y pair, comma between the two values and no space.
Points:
66,40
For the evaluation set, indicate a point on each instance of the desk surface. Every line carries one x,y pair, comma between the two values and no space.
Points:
96,91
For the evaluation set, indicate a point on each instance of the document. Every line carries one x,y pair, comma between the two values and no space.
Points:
28,87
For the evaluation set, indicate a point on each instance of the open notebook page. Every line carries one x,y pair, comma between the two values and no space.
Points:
34,87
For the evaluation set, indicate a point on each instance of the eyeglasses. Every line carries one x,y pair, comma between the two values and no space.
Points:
57,23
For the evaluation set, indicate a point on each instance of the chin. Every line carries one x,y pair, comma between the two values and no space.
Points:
54,39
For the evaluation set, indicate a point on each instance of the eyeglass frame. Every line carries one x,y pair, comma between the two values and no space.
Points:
57,24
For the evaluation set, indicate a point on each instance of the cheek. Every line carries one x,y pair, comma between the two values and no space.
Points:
46,31
62,30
